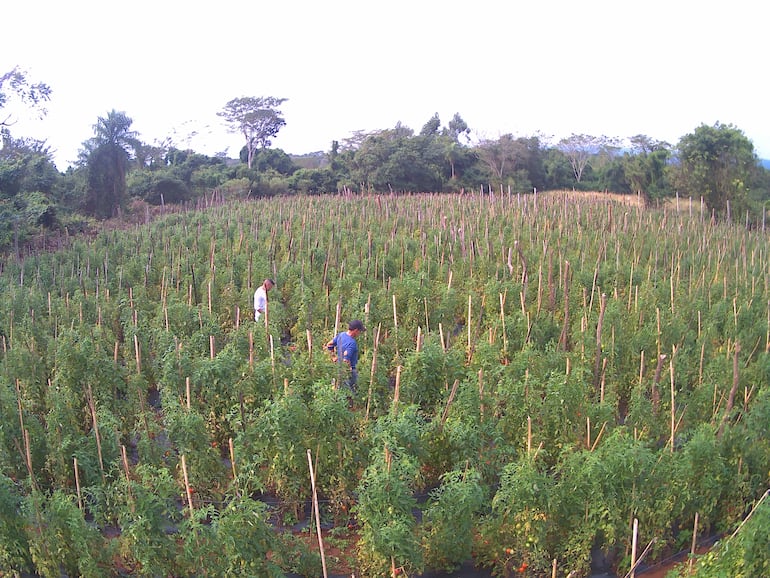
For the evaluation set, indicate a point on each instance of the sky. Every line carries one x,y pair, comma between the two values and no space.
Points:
547,68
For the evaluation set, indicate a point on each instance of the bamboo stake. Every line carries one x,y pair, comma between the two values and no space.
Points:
397,391
92,407
599,436
317,515
251,350
655,382
599,325
138,355
77,484
18,402
481,394
187,489
232,461
445,413
633,546
373,369
469,322
694,544
28,458
529,435
564,338
673,404
187,391
502,321
588,431
630,573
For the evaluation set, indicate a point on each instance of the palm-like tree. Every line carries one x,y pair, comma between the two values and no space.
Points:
107,157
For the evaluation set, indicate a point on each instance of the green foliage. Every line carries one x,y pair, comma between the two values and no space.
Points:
107,163
514,533
258,119
63,542
717,162
117,325
449,519
385,515
14,545
742,554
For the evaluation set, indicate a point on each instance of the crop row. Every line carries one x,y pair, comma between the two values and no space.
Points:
541,375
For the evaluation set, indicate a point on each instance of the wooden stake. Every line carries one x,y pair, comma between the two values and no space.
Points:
633,546
187,489
694,543
588,432
317,515
445,414
529,435
373,369
481,394
599,325
77,484
502,321
397,391
127,472
469,322
599,436
673,406
92,407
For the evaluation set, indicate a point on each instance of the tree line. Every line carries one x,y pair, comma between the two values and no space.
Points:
116,171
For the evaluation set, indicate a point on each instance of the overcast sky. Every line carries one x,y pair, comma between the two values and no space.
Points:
548,67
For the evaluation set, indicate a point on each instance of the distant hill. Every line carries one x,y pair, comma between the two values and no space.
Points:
765,163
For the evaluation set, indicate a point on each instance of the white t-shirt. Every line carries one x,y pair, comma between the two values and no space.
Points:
260,301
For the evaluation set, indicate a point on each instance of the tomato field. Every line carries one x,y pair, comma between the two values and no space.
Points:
543,377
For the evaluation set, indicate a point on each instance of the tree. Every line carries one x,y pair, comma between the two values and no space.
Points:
457,126
15,83
717,162
397,160
644,166
431,127
504,156
579,149
258,119
107,158
454,151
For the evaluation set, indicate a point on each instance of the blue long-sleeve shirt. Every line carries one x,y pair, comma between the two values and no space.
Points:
347,348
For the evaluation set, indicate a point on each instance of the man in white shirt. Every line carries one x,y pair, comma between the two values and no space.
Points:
260,298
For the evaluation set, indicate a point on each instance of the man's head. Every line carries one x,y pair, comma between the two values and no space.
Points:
356,326
269,284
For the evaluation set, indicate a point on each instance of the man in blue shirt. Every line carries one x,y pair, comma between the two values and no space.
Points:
346,348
